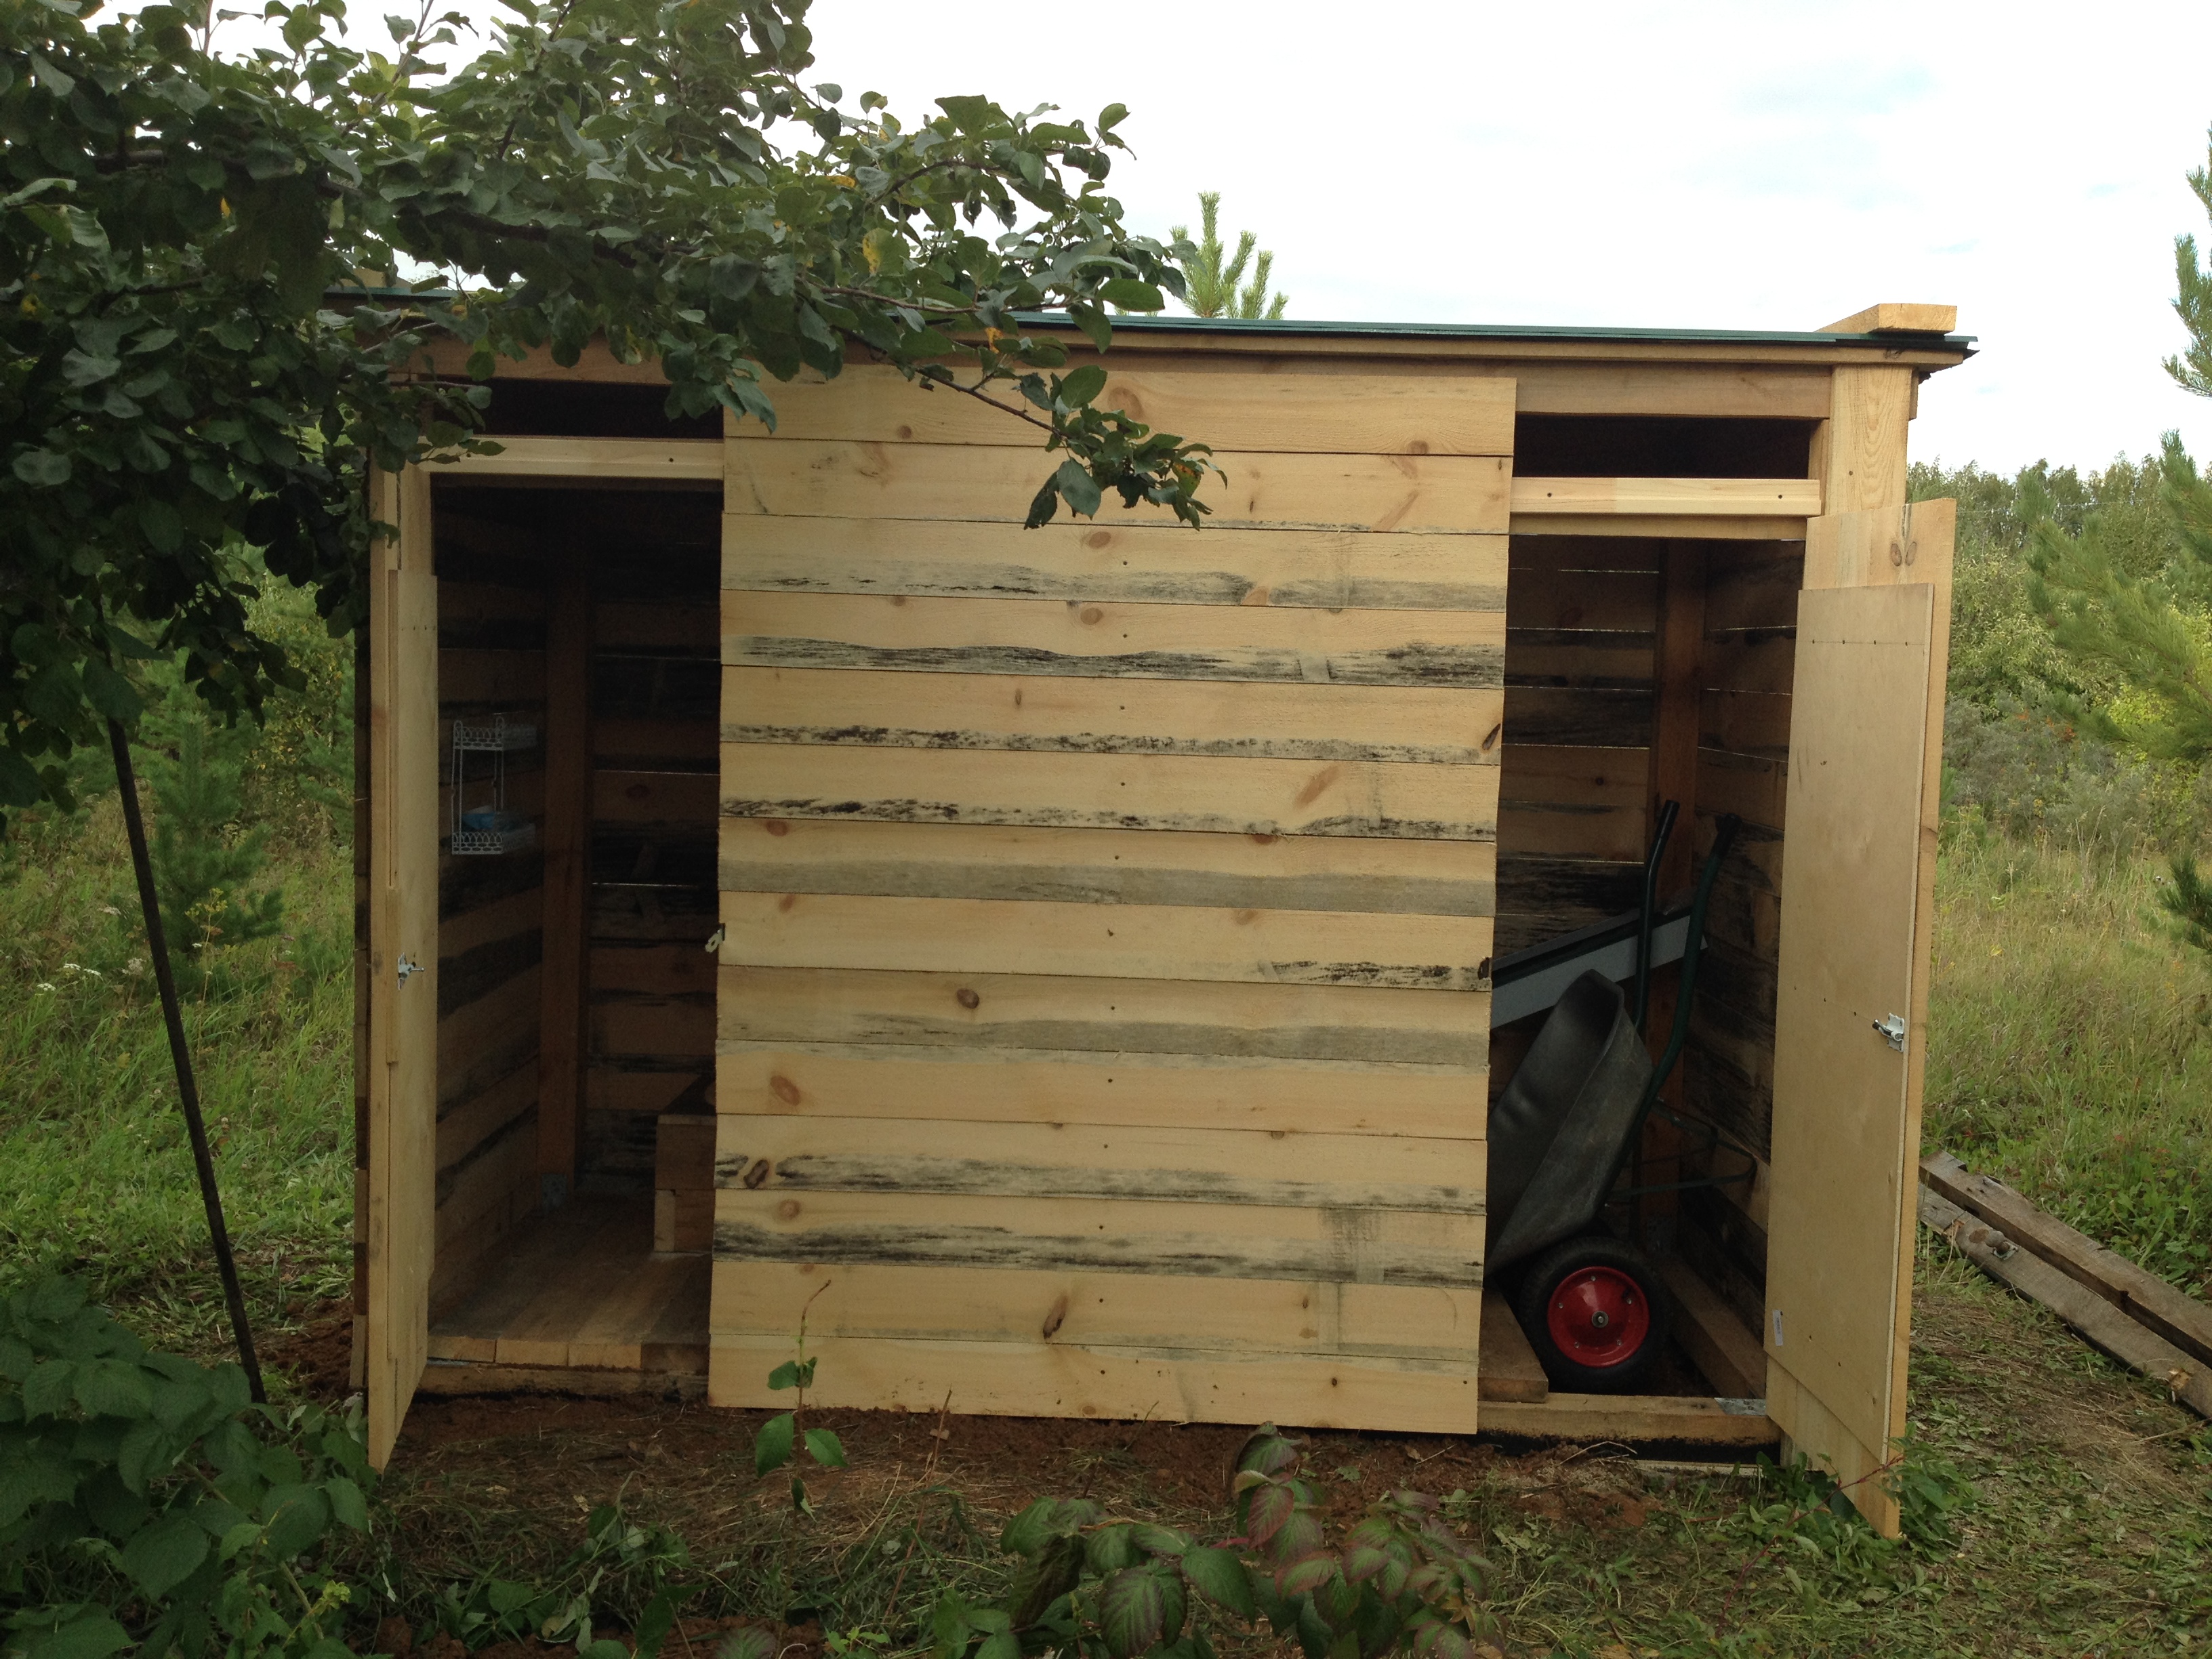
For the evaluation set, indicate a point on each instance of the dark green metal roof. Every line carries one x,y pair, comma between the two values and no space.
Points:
1288,328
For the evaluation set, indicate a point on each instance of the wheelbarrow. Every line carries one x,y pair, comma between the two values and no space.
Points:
1561,1132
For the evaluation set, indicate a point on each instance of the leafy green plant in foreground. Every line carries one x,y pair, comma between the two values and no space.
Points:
144,1501
498,1610
1110,1589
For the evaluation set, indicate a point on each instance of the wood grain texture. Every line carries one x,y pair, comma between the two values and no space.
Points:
1193,1385
1356,414
1109,866
1097,1086
1859,454
791,478
978,1014
2172,1315
1115,562
1842,1166
859,708
1078,1309
1704,497
405,1038
809,1153
1121,941
1045,790
1132,1235
1459,648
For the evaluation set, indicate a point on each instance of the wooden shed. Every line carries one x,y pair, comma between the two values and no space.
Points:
1058,962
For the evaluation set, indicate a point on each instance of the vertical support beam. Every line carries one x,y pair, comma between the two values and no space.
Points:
1678,694
403,949
1858,453
363,824
568,838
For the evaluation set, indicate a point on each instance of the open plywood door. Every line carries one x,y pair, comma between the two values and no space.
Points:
1857,905
403,950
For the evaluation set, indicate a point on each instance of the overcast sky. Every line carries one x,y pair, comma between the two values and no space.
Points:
1775,165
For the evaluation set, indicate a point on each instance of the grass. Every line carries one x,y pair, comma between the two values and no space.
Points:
2070,1047
96,1170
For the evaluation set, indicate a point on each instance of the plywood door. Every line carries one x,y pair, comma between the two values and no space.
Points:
403,961
1107,910
1857,904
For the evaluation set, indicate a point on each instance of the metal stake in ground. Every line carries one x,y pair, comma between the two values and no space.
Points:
188,1092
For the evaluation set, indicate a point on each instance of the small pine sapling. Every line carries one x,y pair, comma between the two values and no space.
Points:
203,863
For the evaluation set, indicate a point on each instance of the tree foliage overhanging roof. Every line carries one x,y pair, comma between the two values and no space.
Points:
174,389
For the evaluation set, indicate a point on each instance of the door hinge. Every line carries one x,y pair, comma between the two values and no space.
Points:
1893,1027
408,966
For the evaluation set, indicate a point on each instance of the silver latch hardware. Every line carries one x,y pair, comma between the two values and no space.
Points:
408,965
1893,1027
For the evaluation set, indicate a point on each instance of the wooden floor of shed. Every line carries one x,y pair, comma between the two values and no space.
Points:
580,1288
579,1301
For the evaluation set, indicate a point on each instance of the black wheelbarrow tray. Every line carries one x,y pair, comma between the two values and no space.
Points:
1560,1134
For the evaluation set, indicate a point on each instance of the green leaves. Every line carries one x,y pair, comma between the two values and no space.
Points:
1132,1611
1218,1575
162,1556
772,1445
107,1453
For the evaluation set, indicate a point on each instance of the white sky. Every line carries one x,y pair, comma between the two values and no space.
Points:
1708,163
1765,165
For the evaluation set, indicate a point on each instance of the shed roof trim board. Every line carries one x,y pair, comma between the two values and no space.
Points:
1856,329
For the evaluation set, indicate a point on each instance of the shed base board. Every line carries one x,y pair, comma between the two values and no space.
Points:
575,1301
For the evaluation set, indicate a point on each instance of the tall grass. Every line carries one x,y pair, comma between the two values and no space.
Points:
95,1171
2070,1045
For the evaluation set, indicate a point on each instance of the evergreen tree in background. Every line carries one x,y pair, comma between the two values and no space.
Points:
2144,632
1211,281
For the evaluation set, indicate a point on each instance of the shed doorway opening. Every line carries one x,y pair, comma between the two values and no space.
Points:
575,978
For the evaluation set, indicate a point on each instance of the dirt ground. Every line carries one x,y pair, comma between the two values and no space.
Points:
2088,1531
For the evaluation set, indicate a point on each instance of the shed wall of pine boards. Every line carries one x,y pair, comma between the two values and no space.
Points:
1100,1022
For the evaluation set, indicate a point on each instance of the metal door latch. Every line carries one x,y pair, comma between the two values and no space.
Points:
408,965
1893,1029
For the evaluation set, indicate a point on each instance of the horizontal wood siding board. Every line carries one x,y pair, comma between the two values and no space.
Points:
1077,1308
1612,601
800,479
479,972
664,968
1444,954
1755,723
1192,1385
812,1153
648,912
1111,792
858,709
972,1015
922,1081
1755,660
1578,717
466,1123
1115,562
1533,553
1374,413
1225,1241
1108,867
1461,648
620,796
669,1030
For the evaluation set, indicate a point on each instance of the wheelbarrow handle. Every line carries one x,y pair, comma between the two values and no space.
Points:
1668,809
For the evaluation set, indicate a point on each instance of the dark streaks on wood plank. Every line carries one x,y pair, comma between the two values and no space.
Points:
956,579
857,1172
1061,818
1129,743
1414,663
1199,1255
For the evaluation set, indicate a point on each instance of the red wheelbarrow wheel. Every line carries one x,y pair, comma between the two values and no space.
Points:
1597,1315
